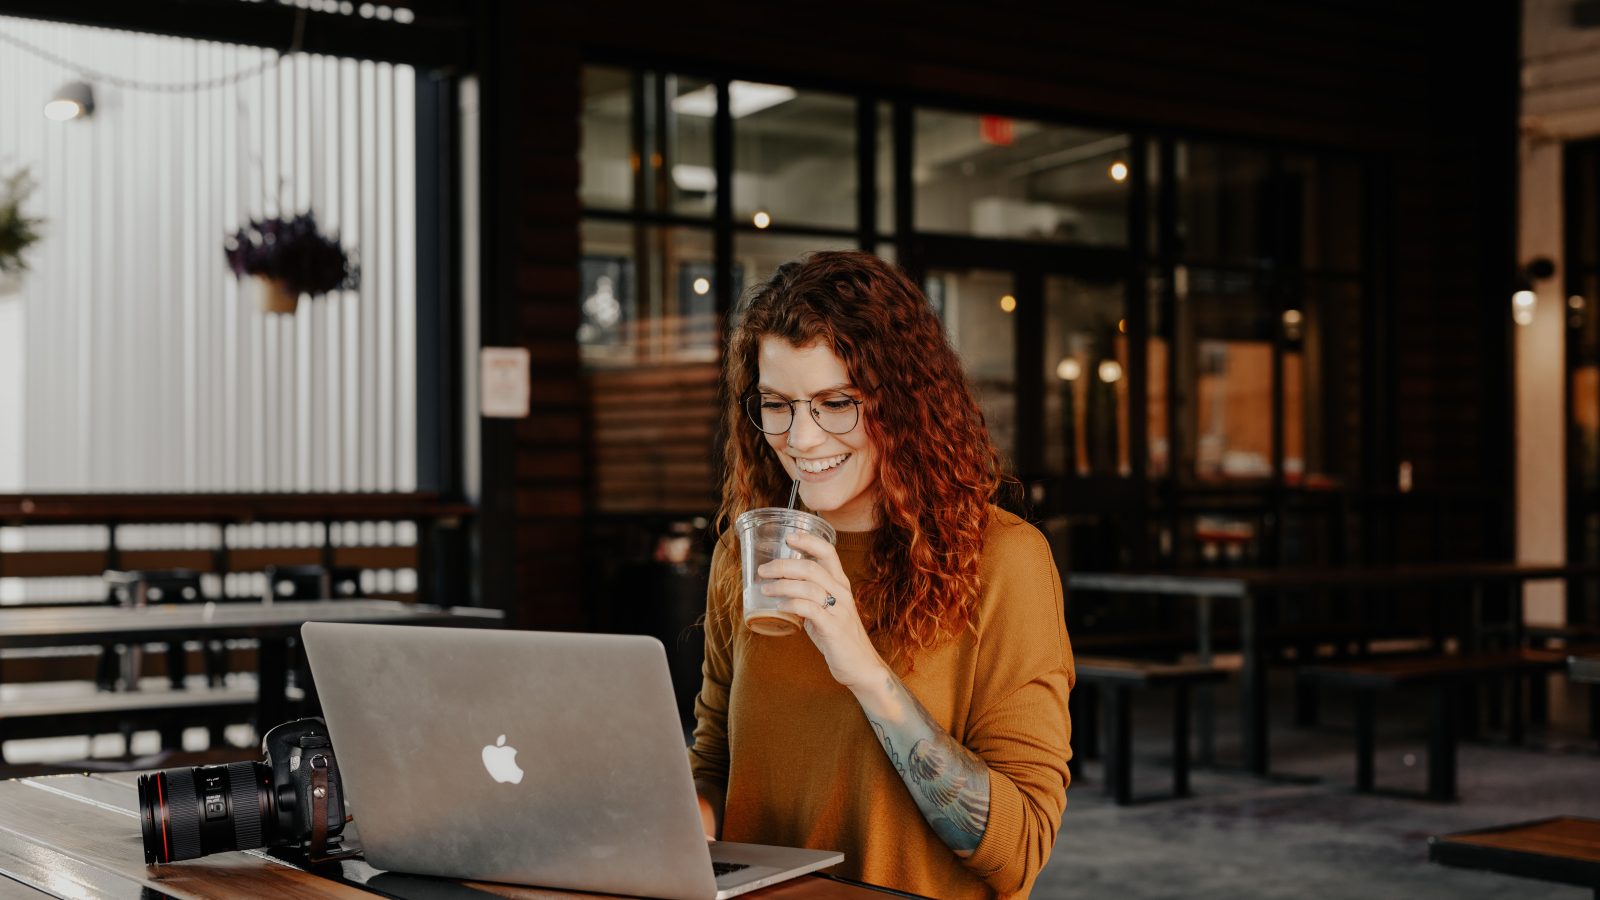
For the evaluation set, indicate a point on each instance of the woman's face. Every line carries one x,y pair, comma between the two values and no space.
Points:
837,472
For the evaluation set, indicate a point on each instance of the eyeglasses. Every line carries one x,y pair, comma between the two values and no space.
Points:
834,412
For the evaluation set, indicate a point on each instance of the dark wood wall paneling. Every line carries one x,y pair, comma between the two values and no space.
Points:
1432,102
533,477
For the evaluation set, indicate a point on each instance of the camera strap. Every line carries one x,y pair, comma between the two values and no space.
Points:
317,851
319,807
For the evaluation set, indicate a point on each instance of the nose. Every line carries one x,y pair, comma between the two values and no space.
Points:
805,433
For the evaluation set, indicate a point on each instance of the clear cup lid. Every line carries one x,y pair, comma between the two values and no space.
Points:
794,518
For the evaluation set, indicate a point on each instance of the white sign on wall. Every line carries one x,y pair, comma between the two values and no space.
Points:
504,379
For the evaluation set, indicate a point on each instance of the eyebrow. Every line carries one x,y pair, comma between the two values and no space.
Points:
842,386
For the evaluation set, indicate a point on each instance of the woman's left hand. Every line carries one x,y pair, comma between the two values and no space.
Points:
805,586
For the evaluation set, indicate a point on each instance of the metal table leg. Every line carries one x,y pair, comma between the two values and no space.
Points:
1205,700
1252,688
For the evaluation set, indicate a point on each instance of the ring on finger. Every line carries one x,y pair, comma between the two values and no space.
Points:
830,601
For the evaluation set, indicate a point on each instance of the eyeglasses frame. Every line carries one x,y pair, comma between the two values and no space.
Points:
793,415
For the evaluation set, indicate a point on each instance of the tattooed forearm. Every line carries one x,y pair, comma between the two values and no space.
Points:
888,747
948,782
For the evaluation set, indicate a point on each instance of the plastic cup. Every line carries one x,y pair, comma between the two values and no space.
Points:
764,535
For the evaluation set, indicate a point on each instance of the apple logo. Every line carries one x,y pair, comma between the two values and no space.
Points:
501,761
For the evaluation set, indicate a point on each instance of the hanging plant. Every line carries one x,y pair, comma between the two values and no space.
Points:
18,232
289,257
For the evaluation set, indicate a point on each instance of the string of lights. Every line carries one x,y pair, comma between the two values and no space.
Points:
179,87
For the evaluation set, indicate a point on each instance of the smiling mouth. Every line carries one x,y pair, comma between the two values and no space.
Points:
818,466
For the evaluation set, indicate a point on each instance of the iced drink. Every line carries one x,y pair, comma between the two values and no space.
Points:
764,535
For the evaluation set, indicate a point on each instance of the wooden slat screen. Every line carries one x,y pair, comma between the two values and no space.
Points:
654,428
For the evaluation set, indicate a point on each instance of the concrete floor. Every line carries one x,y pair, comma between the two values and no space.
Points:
1307,834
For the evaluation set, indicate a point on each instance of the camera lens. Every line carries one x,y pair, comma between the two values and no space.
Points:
191,812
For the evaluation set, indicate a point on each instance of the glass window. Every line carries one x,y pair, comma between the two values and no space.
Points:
686,174
1158,368
1086,365
1322,385
1223,215
999,177
794,156
760,255
679,175
1225,334
606,158
646,294
1152,212
977,306
885,167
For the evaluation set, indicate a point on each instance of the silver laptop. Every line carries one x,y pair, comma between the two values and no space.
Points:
525,757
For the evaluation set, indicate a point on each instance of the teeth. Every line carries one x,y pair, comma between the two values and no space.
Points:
820,465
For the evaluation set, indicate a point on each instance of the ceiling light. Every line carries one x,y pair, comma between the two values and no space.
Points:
744,98
1293,319
1119,171
1008,303
1110,371
697,179
1522,303
761,219
702,285
1069,369
73,100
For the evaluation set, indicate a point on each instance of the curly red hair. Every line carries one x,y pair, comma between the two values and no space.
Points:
937,467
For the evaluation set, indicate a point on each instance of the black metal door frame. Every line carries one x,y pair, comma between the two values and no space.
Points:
1030,264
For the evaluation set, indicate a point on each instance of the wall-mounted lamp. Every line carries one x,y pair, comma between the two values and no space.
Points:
74,100
1523,299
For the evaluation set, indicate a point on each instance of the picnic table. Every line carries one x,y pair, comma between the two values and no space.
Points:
272,624
1254,589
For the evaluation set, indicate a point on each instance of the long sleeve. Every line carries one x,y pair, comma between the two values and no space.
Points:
708,757
1019,723
803,767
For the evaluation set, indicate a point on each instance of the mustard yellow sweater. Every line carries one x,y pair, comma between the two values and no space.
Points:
801,765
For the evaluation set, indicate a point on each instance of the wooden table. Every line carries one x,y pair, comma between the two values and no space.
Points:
1564,849
1253,588
78,836
272,624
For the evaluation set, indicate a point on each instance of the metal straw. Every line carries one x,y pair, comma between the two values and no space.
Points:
794,492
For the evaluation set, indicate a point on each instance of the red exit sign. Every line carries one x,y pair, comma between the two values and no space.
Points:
996,130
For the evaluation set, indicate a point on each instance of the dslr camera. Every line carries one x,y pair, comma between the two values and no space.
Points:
293,797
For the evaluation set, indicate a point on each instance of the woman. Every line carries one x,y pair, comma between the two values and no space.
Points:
919,723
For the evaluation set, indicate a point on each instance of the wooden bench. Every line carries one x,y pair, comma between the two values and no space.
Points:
1446,675
1571,634
1564,849
1119,677
59,709
1583,638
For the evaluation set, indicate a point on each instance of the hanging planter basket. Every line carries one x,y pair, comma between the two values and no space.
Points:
289,257
274,295
18,231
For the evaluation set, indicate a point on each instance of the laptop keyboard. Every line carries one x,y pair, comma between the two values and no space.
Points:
722,868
